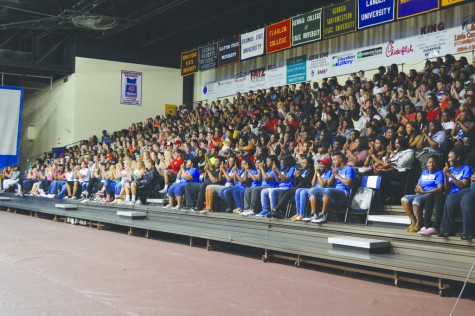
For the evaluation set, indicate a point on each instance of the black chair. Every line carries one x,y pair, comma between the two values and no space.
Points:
363,199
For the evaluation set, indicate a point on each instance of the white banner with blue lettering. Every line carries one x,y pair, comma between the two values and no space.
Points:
11,105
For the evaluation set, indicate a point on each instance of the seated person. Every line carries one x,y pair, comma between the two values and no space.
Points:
430,181
169,174
187,174
342,179
303,179
457,183
195,191
319,183
227,172
285,178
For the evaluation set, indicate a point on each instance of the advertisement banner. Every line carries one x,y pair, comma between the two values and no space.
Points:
257,79
400,51
343,63
252,44
373,12
450,2
276,74
228,51
297,69
318,66
208,57
369,58
241,82
433,41
189,62
408,8
278,36
209,90
339,19
131,88
464,36
307,27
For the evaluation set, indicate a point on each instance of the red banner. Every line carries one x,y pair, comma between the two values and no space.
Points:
278,36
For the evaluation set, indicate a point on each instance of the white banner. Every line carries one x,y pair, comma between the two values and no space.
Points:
252,44
276,74
10,103
318,66
131,88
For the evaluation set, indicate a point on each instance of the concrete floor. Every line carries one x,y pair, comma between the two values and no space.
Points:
49,268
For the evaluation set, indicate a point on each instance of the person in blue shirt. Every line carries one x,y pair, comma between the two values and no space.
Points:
457,183
252,195
249,178
238,183
430,181
319,183
285,179
188,173
342,178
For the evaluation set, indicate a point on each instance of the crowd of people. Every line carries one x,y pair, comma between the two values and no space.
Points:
252,154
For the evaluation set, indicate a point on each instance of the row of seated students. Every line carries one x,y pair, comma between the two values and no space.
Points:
394,122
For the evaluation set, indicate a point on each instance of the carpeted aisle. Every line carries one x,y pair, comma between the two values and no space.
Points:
49,268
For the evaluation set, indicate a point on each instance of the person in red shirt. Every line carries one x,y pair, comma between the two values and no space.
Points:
432,109
169,175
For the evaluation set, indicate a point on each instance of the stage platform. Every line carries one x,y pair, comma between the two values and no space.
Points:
425,260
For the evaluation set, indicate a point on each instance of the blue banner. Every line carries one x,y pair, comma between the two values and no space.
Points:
408,8
373,12
297,69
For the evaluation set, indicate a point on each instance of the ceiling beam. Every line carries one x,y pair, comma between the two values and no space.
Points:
9,38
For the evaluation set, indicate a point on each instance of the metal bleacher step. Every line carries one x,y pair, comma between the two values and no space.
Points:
66,207
156,201
132,214
364,244
5,198
389,219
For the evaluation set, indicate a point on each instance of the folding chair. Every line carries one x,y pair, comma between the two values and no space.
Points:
363,198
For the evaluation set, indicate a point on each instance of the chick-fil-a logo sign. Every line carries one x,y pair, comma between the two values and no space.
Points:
393,51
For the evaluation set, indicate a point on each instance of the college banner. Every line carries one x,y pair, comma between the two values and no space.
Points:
252,44
373,12
408,8
228,51
297,69
339,19
450,2
307,27
189,62
131,88
278,36
208,57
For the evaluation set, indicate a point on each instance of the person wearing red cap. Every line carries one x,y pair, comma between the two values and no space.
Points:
342,177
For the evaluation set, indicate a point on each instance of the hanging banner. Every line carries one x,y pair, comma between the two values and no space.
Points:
278,36
208,57
374,12
450,2
433,41
241,82
306,27
11,107
408,8
297,69
339,19
257,79
131,88
317,66
464,35
189,62
276,74
228,51
252,44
